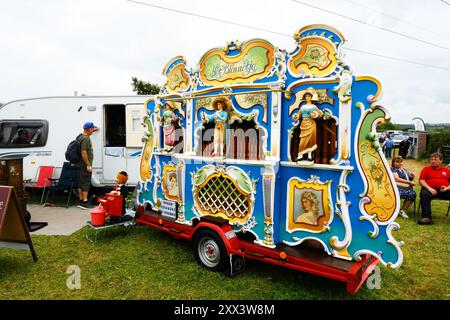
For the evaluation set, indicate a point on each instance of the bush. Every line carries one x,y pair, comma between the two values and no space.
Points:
437,138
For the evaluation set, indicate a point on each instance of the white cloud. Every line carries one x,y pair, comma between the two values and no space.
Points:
55,47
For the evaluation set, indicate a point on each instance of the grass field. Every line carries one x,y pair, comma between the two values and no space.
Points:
148,264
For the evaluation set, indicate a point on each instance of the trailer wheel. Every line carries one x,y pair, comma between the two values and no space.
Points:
210,251
27,216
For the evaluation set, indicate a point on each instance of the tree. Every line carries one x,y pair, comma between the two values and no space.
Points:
388,125
142,87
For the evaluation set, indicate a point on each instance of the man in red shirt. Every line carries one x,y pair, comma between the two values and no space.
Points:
435,182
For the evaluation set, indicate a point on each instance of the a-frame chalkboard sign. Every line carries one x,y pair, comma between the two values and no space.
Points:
13,228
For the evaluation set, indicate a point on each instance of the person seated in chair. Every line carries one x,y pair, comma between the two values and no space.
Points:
435,182
23,137
404,180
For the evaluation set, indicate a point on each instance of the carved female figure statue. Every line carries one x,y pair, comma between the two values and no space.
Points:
220,118
310,205
169,119
307,113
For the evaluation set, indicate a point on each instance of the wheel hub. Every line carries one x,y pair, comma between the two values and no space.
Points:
209,252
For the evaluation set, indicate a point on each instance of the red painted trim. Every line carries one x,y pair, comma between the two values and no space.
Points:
232,245
166,226
360,272
272,256
354,278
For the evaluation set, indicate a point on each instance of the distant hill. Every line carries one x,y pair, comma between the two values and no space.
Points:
440,125
427,125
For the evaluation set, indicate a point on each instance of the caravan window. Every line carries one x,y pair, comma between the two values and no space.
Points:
23,133
136,120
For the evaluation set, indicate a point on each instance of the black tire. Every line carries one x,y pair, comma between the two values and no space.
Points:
209,251
27,216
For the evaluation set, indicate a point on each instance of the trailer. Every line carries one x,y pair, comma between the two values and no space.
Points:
264,154
117,145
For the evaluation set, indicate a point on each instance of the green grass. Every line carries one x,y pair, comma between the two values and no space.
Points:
148,264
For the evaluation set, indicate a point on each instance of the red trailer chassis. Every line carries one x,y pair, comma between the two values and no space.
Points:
352,273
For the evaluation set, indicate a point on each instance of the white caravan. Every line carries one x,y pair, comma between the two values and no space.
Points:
52,122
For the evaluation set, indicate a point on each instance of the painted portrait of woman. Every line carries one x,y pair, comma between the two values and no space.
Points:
172,185
310,205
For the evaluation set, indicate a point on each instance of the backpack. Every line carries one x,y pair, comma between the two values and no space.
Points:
73,152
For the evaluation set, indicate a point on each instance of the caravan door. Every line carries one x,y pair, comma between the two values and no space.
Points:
134,115
114,148
123,141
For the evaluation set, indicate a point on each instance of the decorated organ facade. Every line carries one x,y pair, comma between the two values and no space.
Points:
279,144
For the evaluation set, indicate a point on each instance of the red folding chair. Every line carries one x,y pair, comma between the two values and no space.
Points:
45,173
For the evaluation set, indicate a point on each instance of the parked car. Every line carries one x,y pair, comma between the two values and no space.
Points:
397,138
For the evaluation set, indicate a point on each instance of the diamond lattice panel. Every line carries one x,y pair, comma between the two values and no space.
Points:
220,194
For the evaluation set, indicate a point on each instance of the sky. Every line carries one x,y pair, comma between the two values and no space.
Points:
94,47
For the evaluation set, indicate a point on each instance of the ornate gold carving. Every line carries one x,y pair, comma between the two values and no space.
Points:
318,26
219,195
177,79
204,103
268,232
344,89
253,62
145,168
247,101
316,56
380,188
